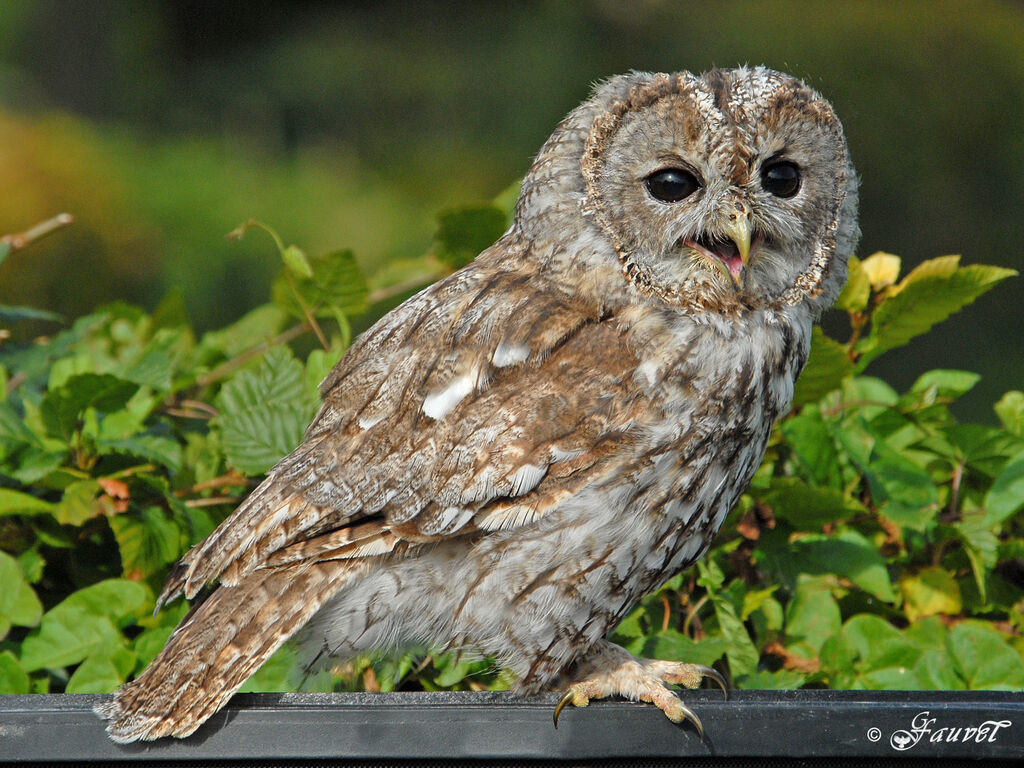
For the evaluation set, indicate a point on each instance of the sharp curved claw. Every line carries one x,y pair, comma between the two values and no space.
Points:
689,714
715,675
561,704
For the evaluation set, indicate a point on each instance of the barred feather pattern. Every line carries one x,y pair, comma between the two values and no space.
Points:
511,459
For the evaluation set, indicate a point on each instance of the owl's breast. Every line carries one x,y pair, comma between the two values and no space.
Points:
716,386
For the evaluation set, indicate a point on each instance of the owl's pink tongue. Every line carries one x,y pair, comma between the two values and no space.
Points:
729,255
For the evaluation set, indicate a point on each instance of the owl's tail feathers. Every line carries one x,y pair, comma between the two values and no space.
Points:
218,646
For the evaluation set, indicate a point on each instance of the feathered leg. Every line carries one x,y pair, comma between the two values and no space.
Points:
217,648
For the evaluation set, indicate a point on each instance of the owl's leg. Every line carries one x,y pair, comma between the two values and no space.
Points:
608,670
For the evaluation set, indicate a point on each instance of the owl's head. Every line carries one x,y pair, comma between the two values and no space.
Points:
729,189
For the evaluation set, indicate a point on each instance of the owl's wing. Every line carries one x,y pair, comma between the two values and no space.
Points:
478,405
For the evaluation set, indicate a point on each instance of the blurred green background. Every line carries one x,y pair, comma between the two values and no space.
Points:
162,125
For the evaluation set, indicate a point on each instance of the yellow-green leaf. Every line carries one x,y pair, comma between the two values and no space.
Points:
930,591
928,295
855,294
1010,410
296,261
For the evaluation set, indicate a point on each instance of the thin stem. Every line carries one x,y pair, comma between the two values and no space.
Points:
232,479
211,501
39,231
310,319
691,615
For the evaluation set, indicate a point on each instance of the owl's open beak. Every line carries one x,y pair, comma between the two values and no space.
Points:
730,256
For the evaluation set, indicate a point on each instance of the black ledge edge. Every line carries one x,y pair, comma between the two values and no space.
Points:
794,724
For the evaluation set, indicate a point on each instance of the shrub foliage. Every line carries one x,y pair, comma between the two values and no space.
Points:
881,544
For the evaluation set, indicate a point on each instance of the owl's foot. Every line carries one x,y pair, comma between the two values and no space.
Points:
610,670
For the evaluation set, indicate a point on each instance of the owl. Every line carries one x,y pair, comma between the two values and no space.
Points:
512,458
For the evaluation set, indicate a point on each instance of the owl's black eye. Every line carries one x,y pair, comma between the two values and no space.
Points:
670,185
782,179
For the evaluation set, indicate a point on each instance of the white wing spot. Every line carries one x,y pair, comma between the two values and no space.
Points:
509,354
649,370
365,422
525,478
438,404
448,521
560,454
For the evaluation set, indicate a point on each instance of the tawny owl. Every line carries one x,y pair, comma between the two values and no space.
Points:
511,459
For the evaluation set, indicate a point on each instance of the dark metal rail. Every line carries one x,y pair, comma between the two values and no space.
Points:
498,726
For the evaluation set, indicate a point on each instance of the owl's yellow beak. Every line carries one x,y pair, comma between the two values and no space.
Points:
740,232
730,258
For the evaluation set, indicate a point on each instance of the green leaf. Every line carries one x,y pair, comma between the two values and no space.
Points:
934,672
13,679
82,624
984,658
812,616
675,646
159,628
850,555
855,294
275,675
907,493
62,408
320,363
811,441
933,291
826,368
780,680
163,451
806,507
1010,410
1006,496
740,651
19,605
296,261
872,637
930,591
148,541
79,503
980,545
886,657
264,413
462,233
103,671
254,328
17,503
337,285
946,384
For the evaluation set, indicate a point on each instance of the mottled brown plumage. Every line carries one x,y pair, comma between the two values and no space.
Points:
508,461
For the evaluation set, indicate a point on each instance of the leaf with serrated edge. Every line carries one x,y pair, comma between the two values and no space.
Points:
928,295
264,413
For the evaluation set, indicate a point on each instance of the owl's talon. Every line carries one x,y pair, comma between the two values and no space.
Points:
688,714
714,674
609,670
561,704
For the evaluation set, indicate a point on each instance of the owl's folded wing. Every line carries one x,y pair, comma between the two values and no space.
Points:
478,405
